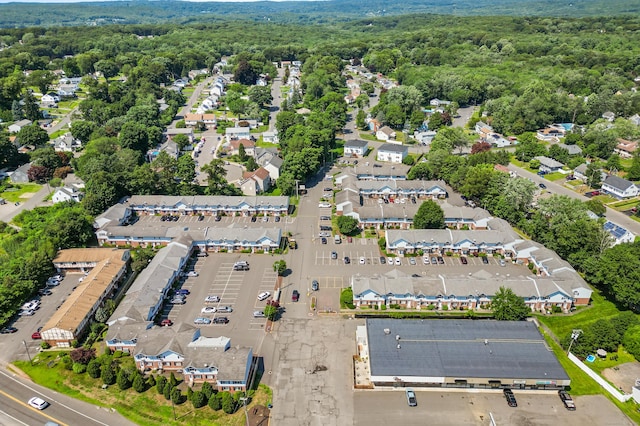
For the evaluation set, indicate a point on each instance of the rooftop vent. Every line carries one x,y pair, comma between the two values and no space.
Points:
397,337
387,331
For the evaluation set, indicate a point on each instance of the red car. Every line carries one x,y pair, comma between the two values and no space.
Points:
36,336
166,323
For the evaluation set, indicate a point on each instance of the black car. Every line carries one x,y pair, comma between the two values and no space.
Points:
347,260
253,218
45,292
220,320
277,218
510,397
295,295
567,400
218,218
543,186
485,260
463,260
200,218
383,260
440,260
324,240
8,330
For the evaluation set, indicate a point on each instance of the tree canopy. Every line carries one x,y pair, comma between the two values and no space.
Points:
507,306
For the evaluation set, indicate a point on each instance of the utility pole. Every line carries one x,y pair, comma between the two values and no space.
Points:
574,336
27,349
246,414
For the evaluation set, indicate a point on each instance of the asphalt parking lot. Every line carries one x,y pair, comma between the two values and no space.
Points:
236,289
461,407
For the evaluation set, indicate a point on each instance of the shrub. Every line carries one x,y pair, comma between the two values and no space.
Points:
107,375
228,404
117,354
198,399
93,369
160,384
67,362
138,383
214,402
448,253
79,368
189,393
207,390
82,355
167,391
151,381
45,345
375,307
123,380
431,307
172,380
445,307
383,307
176,396
556,309
75,343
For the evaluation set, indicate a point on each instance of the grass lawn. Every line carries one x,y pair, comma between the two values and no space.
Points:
262,144
562,325
259,129
625,204
518,163
605,199
147,408
554,176
368,137
16,192
575,182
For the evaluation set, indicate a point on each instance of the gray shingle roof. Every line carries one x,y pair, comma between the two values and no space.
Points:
618,183
392,147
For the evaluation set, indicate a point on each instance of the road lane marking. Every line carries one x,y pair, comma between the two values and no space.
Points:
53,419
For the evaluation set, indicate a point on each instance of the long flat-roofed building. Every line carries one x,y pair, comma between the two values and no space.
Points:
459,353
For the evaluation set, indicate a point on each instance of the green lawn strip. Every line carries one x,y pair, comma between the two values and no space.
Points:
575,182
260,129
554,176
625,204
604,199
581,383
15,193
368,137
562,325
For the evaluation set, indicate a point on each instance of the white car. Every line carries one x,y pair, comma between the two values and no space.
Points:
324,205
264,295
27,313
212,299
225,309
398,261
362,260
38,403
208,310
201,320
425,260
258,314
390,261
191,274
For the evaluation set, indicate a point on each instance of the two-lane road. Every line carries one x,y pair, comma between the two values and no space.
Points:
14,410
612,215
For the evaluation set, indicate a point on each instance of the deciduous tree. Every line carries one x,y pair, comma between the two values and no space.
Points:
507,306
429,216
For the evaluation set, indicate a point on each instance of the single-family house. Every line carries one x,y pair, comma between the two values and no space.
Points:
234,133
619,235
18,125
21,174
355,148
270,161
424,138
65,193
620,188
249,146
571,149
270,137
261,177
483,129
609,116
625,148
50,98
393,153
192,119
580,172
635,119
439,102
171,133
549,165
66,143
209,120
550,134
385,133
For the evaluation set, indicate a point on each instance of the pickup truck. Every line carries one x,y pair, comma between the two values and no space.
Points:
567,400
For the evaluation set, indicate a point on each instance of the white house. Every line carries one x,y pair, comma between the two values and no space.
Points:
385,133
620,188
392,152
355,148
270,137
50,98
232,133
18,125
66,143
549,165
66,194
424,138
618,233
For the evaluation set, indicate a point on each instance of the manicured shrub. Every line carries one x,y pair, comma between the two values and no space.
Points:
138,383
167,391
198,399
67,362
151,381
214,402
107,375
161,382
176,396
93,369
79,368
207,390
123,380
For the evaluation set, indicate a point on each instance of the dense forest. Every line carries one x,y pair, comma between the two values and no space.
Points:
298,12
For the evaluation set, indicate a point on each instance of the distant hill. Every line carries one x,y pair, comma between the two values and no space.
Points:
144,12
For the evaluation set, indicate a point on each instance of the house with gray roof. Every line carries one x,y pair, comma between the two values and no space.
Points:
21,174
620,188
458,353
549,165
392,152
571,149
355,148
208,205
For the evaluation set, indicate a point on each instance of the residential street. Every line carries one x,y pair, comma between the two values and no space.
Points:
612,215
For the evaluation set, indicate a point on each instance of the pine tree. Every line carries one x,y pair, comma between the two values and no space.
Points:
214,402
16,111
172,380
138,383
151,381
176,396
107,374
167,391
207,389
161,383
93,368
123,380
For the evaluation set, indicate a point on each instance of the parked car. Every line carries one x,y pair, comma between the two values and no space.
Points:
542,185
324,240
334,255
177,301
412,261
36,335
315,286
441,260
227,309
347,260
485,260
567,400
8,330
183,291
220,320
45,292
295,296
258,314
434,260
192,274
202,320
362,260
212,299
166,323
264,295
397,261
324,205
425,260
277,219
253,218
383,260
411,397
26,313
390,261
464,260
38,403
208,310
510,397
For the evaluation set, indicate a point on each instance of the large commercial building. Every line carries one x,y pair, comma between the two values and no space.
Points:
458,354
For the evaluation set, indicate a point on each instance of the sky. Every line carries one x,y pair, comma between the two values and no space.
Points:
94,1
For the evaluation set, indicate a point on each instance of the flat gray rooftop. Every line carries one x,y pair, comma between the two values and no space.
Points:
461,349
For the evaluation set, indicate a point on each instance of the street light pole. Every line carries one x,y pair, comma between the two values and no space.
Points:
246,414
574,336
27,349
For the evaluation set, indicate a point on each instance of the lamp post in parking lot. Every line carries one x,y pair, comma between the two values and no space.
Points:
28,354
